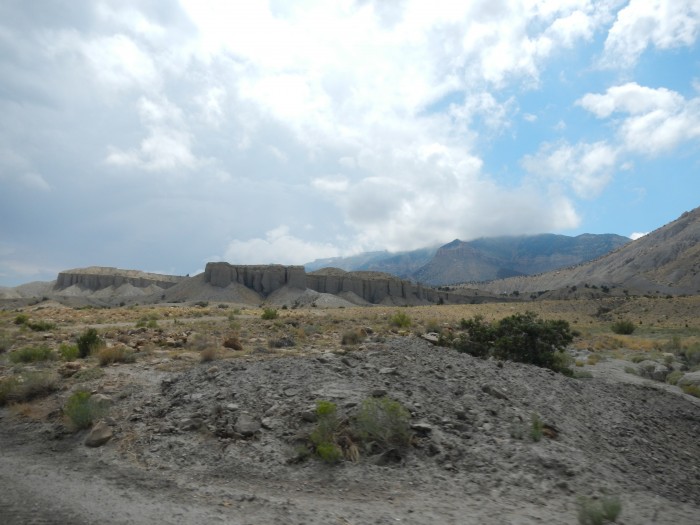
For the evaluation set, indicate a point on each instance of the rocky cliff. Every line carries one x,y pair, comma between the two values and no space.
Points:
97,278
373,287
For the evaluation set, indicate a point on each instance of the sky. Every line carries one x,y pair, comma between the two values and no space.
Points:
159,135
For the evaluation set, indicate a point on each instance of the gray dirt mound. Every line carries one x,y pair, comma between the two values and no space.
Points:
471,421
294,297
197,289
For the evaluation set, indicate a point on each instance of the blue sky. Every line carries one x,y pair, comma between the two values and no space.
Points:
161,135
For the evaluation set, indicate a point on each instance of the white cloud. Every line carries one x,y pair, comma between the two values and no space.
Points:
330,184
168,144
586,168
279,247
664,24
18,169
658,119
637,235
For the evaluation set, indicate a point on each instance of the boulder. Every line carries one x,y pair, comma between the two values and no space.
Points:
690,379
100,433
247,425
653,370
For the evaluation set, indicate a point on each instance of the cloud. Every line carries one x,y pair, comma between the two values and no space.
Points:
658,120
168,144
17,169
586,168
279,247
637,235
664,24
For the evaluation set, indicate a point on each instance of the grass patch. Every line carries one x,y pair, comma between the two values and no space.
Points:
88,374
597,512
674,377
5,342
623,327
384,422
40,326
32,354
536,428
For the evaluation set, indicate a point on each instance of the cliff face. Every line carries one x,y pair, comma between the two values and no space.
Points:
373,287
97,278
264,279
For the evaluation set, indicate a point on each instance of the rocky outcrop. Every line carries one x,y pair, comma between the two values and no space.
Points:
264,279
97,278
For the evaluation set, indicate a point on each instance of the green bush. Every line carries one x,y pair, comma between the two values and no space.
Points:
68,352
384,422
521,337
623,327
536,428
593,512
325,434
82,410
692,390
269,314
400,320
673,377
692,354
21,319
40,326
31,354
27,386
88,342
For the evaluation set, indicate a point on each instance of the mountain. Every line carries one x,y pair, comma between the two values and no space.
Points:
481,259
500,257
666,260
401,264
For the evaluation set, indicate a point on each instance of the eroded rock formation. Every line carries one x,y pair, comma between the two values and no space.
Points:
97,277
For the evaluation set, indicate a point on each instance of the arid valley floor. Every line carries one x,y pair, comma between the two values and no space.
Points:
204,433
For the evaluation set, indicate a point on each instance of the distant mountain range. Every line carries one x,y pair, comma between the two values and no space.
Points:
482,259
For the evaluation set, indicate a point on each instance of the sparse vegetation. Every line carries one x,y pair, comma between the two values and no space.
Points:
324,435
673,377
81,410
384,422
27,386
597,512
115,354
88,342
623,327
691,390
32,354
536,428
68,352
5,342
207,354
21,319
269,314
400,320
352,337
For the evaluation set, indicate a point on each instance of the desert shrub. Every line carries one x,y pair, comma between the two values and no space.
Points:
21,319
400,320
88,342
592,512
40,326
584,374
282,342
207,354
27,386
31,354
536,428
433,325
674,377
88,374
82,410
623,327
202,304
233,342
352,337
631,370
68,352
324,435
520,337
115,354
593,359
5,342
269,314
384,422
692,390
692,354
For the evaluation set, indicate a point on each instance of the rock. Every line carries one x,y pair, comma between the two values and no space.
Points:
99,435
388,457
309,415
246,425
690,379
422,428
653,370
493,391
101,400
388,371
69,369
191,423
431,337
378,392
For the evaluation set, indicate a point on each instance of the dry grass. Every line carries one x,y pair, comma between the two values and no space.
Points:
115,354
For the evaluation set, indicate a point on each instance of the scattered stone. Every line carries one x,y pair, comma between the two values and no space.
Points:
378,392
493,391
246,425
431,337
388,371
690,379
422,428
100,434
191,423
